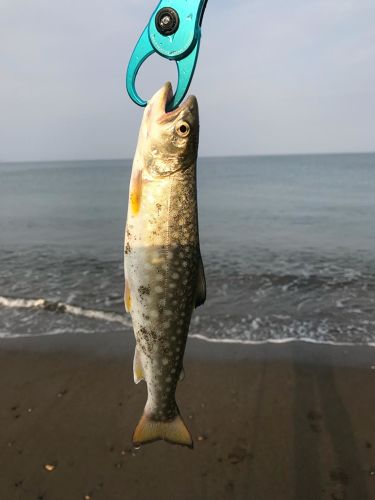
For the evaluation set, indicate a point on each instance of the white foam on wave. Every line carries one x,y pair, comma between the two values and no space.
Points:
21,303
101,315
50,333
61,307
279,341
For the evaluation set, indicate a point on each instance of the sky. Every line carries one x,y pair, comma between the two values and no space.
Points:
273,77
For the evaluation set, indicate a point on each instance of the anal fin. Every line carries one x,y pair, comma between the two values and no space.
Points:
137,367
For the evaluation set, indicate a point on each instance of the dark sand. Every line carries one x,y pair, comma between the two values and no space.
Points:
293,422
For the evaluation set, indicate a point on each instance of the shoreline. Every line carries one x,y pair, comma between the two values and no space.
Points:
122,345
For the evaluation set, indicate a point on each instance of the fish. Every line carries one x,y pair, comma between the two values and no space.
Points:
164,274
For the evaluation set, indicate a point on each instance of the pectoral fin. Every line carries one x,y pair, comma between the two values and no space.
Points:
127,297
200,296
137,367
182,375
136,192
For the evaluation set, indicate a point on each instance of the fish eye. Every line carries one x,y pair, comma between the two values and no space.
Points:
183,129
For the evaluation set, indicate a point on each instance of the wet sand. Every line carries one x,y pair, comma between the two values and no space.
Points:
293,421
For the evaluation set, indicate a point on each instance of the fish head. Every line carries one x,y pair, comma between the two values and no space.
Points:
169,139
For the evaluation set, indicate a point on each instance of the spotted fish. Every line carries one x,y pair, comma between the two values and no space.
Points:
164,276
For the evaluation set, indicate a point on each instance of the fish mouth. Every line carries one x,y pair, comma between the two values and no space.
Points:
161,99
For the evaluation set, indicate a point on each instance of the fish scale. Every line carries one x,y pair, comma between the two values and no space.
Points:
164,277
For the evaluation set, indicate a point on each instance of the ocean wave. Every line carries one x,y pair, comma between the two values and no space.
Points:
63,308
112,317
287,340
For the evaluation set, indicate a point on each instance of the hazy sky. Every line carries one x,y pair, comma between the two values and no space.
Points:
274,76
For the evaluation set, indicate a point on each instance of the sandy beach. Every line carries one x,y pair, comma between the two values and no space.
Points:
291,421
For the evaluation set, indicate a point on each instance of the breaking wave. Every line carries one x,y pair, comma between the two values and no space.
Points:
61,308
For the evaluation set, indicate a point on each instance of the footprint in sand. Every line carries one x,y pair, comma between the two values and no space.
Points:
239,454
315,418
338,475
14,409
340,479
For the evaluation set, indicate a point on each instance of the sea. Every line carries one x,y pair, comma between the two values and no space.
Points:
288,244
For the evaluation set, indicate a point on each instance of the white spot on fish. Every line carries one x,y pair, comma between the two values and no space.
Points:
164,361
158,289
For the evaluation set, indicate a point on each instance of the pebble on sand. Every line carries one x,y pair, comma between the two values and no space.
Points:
202,437
50,467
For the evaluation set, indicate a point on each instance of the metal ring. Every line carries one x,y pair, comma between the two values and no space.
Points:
167,21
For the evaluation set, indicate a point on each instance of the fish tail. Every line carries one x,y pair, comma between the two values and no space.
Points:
174,431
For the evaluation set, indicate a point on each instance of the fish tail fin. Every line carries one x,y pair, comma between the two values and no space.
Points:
149,430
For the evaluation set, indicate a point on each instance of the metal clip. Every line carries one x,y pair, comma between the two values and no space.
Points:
174,32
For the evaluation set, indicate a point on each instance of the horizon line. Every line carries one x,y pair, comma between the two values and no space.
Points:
266,155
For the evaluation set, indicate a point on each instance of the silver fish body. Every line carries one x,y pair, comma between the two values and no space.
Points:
164,277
